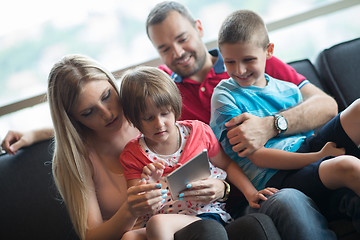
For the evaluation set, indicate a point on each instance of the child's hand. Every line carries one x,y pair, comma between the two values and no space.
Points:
153,172
330,149
260,195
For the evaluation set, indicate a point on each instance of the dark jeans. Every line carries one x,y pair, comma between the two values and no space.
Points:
256,226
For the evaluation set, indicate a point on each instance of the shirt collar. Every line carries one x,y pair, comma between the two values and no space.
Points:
218,67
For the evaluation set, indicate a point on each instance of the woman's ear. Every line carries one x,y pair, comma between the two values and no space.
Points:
269,50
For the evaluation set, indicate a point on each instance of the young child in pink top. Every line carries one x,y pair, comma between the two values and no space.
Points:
152,103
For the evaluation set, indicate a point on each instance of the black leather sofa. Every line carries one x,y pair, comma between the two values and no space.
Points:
31,208
336,70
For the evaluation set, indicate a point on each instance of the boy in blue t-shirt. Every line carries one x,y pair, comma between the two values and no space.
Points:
244,44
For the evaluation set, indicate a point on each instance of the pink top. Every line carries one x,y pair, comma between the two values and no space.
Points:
133,158
195,136
111,188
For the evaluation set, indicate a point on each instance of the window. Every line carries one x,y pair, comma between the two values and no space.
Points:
39,32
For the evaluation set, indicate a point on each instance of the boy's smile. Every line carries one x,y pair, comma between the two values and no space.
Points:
245,63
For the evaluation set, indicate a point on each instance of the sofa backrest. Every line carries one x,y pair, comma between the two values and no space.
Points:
339,69
30,206
307,69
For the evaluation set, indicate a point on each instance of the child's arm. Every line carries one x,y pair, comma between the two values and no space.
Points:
240,180
279,159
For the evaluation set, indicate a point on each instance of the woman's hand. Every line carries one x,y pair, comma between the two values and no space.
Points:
205,191
144,198
260,195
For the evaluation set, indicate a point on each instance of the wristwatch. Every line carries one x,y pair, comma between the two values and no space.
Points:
226,192
281,124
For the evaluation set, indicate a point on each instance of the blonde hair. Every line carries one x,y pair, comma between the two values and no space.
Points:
71,165
139,83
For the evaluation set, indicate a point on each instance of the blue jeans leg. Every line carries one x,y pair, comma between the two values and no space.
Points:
295,216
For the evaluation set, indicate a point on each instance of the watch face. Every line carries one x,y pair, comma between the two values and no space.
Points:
282,123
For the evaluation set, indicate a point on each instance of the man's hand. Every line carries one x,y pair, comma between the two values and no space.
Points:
247,133
15,140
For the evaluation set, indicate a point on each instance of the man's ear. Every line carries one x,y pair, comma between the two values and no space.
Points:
199,28
269,51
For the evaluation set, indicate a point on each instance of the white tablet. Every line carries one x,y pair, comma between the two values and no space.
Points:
195,169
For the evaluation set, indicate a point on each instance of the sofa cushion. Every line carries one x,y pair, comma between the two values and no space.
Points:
30,206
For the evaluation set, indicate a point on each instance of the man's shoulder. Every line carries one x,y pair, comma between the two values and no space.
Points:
165,69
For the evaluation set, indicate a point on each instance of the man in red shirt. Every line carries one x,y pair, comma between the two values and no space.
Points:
196,71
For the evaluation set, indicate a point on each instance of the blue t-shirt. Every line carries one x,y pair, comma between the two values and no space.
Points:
230,99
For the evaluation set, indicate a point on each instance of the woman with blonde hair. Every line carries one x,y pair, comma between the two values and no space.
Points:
90,133
89,136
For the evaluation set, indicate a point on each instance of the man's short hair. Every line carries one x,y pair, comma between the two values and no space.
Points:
159,13
243,26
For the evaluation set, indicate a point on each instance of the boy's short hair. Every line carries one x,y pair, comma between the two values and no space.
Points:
161,10
142,82
243,26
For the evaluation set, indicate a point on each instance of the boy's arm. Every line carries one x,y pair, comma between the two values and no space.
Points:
316,109
279,159
249,132
254,132
236,175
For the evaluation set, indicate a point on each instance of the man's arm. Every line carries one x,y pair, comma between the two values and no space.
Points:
14,140
248,132
316,110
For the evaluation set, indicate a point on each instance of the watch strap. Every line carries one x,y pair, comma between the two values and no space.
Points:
226,192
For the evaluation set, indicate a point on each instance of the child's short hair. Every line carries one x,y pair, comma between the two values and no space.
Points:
141,82
243,26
